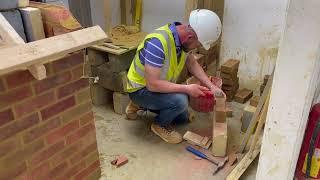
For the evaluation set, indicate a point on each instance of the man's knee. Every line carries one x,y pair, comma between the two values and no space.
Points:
180,101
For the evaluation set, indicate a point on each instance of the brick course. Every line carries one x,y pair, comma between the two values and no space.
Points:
46,127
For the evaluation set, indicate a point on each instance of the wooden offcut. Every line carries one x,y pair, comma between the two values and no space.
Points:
219,139
53,48
230,66
254,101
196,139
243,95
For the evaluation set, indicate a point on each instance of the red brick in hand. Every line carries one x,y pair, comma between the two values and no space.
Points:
6,116
34,104
58,108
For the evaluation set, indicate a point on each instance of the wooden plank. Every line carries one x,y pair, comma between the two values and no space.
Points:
107,15
256,115
126,12
50,49
196,139
12,38
112,51
296,80
245,162
190,5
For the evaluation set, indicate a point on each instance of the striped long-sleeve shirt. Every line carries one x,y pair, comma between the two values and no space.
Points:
153,53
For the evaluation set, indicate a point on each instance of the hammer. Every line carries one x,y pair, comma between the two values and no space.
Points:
203,156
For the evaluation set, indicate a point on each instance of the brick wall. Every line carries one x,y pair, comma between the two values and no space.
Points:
46,127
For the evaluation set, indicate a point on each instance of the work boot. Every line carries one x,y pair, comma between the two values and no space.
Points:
168,134
131,111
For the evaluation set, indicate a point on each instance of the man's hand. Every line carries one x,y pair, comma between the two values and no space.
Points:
196,90
215,90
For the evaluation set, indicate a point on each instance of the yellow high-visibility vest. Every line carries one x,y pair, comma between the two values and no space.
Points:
171,68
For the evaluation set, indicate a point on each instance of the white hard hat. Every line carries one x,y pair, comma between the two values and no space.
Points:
207,25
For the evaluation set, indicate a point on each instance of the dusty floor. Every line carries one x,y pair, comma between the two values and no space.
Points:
152,159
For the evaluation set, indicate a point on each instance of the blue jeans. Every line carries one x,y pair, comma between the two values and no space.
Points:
172,108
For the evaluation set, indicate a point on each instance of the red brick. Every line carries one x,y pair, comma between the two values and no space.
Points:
67,152
41,129
57,171
6,116
18,126
87,150
86,172
85,119
72,87
80,133
68,62
41,171
2,88
23,153
18,78
47,153
57,108
12,172
74,170
9,146
62,132
77,72
52,82
34,103
14,96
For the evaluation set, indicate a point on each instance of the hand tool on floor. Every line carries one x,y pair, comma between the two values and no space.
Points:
203,156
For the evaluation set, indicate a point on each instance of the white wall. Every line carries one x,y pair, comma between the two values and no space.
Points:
158,13
251,33
97,13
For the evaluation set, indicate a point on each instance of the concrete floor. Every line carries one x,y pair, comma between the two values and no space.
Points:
150,158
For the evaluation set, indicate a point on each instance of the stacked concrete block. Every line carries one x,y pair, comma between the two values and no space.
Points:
120,102
47,128
15,20
230,79
13,4
33,25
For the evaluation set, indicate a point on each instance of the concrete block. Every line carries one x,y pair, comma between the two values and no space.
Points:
96,57
246,117
118,63
32,21
230,66
15,20
120,102
100,95
13,4
220,139
243,95
110,80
